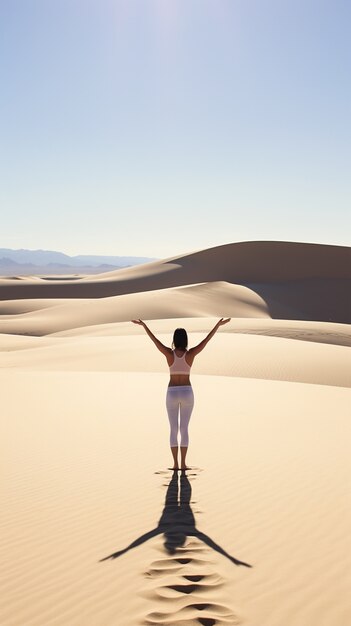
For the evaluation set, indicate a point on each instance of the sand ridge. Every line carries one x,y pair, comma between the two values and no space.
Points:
320,270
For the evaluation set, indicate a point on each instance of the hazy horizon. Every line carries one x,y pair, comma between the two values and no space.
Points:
152,257
160,128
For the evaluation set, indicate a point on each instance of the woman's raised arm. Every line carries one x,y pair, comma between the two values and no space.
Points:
200,346
159,345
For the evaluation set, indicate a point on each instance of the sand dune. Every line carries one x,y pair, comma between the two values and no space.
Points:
45,317
322,271
85,444
232,354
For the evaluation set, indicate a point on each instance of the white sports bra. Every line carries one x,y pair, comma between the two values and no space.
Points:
179,365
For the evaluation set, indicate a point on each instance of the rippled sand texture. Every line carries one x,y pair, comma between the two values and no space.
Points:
95,530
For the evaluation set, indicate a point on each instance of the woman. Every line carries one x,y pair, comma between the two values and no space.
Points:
180,397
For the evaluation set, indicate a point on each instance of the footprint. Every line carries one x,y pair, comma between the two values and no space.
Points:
184,588
188,616
217,609
211,580
200,607
161,567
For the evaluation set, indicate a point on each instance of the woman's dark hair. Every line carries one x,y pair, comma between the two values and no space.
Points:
180,339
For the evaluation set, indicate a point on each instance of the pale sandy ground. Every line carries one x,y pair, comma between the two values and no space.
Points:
84,458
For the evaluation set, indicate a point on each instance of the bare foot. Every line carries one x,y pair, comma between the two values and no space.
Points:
185,467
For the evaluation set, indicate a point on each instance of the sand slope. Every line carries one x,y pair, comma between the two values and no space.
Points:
231,354
85,451
270,486
322,271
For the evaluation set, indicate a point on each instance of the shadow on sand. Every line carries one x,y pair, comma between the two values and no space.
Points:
177,522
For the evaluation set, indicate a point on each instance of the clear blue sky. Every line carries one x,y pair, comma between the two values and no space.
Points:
154,127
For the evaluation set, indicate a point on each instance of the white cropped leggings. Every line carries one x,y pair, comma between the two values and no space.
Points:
180,399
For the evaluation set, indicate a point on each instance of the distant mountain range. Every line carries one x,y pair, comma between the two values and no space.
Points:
26,262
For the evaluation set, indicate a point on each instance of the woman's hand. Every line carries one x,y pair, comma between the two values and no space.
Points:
223,321
139,322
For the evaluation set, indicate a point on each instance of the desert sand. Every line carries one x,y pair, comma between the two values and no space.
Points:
266,505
